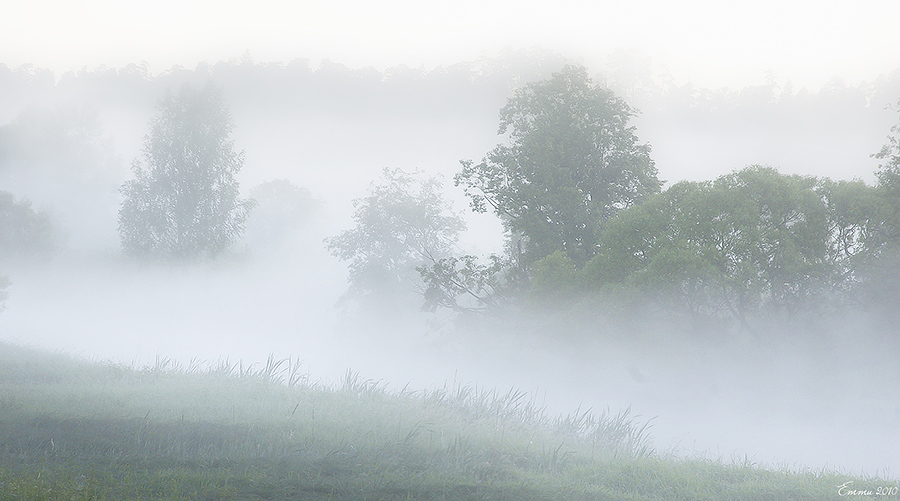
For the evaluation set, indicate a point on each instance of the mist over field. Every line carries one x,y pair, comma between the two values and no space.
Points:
810,395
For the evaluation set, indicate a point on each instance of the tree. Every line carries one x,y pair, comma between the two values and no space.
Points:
888,175
184,200
24,233
881,276
403,223
750,242
463,284
555,279
571,163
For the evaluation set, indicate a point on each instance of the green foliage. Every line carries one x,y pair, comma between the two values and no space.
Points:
402,224
782,255
853,212
554,278
184,201
754,241
24,233
572,162
889,185
463,284
880,276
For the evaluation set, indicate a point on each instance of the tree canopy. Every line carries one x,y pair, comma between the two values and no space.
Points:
571,163
403,223
753,242
183,202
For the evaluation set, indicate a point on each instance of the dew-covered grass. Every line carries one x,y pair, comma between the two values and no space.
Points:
71,429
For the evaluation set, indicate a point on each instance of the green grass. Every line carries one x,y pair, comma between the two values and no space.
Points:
78,430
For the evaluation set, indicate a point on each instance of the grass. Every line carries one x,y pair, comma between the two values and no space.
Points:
76,430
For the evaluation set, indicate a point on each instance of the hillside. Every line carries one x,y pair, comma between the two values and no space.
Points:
71,429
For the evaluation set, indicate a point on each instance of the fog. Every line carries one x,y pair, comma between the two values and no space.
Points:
776,400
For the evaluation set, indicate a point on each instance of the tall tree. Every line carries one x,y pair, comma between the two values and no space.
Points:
881,276
889,187
403,223
184,200
571,162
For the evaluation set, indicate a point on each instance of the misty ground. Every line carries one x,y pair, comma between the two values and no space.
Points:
797,401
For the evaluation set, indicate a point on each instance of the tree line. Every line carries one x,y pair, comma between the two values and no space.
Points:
586,219
583,210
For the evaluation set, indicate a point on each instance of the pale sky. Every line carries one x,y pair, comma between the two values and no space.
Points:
709,42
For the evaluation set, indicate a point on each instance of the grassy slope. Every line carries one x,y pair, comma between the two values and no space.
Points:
74,430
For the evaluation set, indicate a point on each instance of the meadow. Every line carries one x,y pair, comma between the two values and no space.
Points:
73,429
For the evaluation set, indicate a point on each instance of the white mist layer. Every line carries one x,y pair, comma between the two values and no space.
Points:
803,406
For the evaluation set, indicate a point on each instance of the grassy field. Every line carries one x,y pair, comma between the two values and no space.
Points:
77,430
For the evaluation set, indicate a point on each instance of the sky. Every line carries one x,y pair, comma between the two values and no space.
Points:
712,43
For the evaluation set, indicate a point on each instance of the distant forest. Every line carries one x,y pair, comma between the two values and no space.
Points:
466,87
